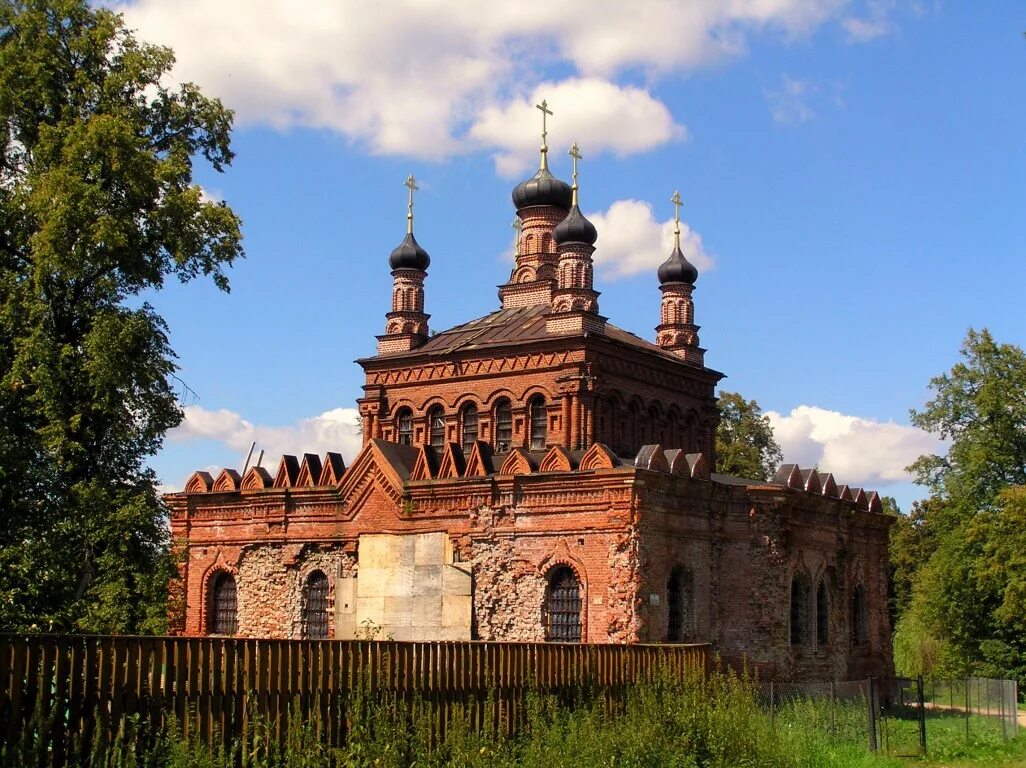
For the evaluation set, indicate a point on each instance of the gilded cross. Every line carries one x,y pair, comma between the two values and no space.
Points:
575,153
518,225
544,107
410,184
677,203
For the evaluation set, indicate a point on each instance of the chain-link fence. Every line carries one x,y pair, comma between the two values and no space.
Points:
903,716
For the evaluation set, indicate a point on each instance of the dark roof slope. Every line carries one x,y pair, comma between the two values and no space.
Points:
513,326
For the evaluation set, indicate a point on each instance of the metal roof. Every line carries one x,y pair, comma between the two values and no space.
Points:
513,326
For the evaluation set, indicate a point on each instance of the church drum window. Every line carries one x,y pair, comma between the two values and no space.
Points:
436,425
799,609
469,423
562,614
539,423
822,614
224,606
405,426
680,606
315,606
859,617
503,426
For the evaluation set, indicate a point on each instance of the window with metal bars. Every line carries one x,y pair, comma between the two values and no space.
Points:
822,614
503,426
436,423
315,606
469,420
405,426
562,613
800,609
539,423
680,605
224,606
859,616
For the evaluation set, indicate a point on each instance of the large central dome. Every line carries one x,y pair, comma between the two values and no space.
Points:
542,189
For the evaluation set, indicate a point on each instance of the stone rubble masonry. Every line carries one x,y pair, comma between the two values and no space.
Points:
622,529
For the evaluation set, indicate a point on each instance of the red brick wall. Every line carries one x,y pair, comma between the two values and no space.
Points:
622,531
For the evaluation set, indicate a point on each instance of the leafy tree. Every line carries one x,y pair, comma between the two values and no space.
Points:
961,553
913,541
979,408
745,446
97,206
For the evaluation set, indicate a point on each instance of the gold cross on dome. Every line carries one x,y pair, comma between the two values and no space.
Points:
544,107
575,153
677,203
410,184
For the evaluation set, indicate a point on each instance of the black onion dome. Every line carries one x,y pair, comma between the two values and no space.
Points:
409,255
542,189
677,269
575,229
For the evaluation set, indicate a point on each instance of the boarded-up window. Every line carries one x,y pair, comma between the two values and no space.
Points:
859,616
539,423
680,605
562,613
406,426
315,606
436,423
503,426
224,606
469,427
800,634
822,614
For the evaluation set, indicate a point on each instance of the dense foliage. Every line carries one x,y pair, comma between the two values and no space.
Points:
745,446
960,557
97,206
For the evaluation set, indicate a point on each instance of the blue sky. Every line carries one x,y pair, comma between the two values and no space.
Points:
853,177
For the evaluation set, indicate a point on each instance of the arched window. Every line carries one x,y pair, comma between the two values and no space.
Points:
503,426
859,616
405,426
799,609
315,606
680,606
436,425
822,614
469,420
539,423
562,613
224,606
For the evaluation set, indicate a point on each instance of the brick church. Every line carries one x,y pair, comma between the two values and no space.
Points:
541,474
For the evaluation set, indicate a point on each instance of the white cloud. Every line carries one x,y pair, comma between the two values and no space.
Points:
858,451
630,240
411,76
208,195
334,430
600,116
789,102
874,22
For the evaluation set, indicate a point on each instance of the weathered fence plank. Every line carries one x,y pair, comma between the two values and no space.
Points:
217,688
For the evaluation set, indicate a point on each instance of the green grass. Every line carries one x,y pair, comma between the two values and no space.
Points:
701,722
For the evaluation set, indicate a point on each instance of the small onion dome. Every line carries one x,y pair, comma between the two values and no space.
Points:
575,229
409,255
677,269
542,189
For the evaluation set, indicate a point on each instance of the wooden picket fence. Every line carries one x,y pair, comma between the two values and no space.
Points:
70,690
